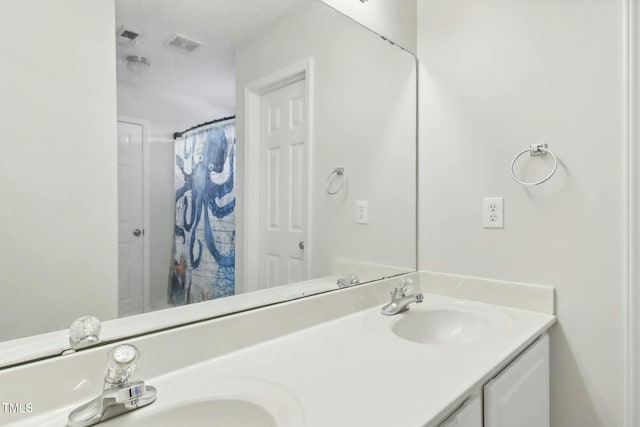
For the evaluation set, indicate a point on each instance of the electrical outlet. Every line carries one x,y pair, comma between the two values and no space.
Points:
362,212
493,212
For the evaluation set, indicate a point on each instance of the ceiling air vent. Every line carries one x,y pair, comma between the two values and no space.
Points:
183,44
127,36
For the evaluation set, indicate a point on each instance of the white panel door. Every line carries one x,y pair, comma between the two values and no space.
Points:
130,220
519,396
283,177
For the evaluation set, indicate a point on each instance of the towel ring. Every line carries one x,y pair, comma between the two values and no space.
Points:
535,150
338,172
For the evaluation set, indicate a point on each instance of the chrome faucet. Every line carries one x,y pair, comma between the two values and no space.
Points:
119,395
351,280
400,300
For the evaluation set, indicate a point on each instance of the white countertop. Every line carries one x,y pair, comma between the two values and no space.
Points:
346,371
346,374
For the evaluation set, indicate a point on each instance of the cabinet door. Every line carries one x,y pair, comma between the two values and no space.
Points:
519,395
469,415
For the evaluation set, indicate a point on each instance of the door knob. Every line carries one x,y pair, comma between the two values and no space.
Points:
137,232
301,246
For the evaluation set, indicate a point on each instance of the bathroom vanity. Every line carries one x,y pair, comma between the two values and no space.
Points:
457,359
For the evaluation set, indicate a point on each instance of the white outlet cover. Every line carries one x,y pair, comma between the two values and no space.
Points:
362,212
493,212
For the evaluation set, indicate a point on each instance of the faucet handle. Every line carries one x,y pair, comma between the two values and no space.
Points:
353,278
84,332
403,287
122,362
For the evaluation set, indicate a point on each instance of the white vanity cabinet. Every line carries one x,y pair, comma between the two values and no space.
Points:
517,397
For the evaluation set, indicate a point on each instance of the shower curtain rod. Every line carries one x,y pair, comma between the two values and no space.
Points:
177,135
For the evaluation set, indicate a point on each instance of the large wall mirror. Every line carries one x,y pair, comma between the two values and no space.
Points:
238,154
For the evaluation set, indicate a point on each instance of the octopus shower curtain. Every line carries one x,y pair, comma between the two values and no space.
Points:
203,266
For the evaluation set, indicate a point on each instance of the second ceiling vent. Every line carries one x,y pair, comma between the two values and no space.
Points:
184,44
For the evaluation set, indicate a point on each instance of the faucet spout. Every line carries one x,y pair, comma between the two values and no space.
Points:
399,305
351,280
113,402
400,300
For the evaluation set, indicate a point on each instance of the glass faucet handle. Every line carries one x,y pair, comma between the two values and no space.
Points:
122,361
404,286
84,332
353,278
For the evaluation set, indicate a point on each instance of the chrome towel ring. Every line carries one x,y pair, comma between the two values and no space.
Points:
535,150
337,173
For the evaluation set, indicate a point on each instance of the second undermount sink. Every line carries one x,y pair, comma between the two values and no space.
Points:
441,323
445,326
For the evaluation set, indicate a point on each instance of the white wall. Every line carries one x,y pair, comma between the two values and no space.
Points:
363,119
59,176
159,175
497,76
393,19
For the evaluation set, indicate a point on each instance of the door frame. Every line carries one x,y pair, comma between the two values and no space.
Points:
253,93
631,221
146,203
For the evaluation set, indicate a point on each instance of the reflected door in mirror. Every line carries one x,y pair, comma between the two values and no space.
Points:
130,220
284,198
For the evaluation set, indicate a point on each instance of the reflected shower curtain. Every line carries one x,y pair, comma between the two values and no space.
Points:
204,236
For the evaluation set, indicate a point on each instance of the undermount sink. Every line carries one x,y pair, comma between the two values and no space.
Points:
444,326
222,412
215,400
441,323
